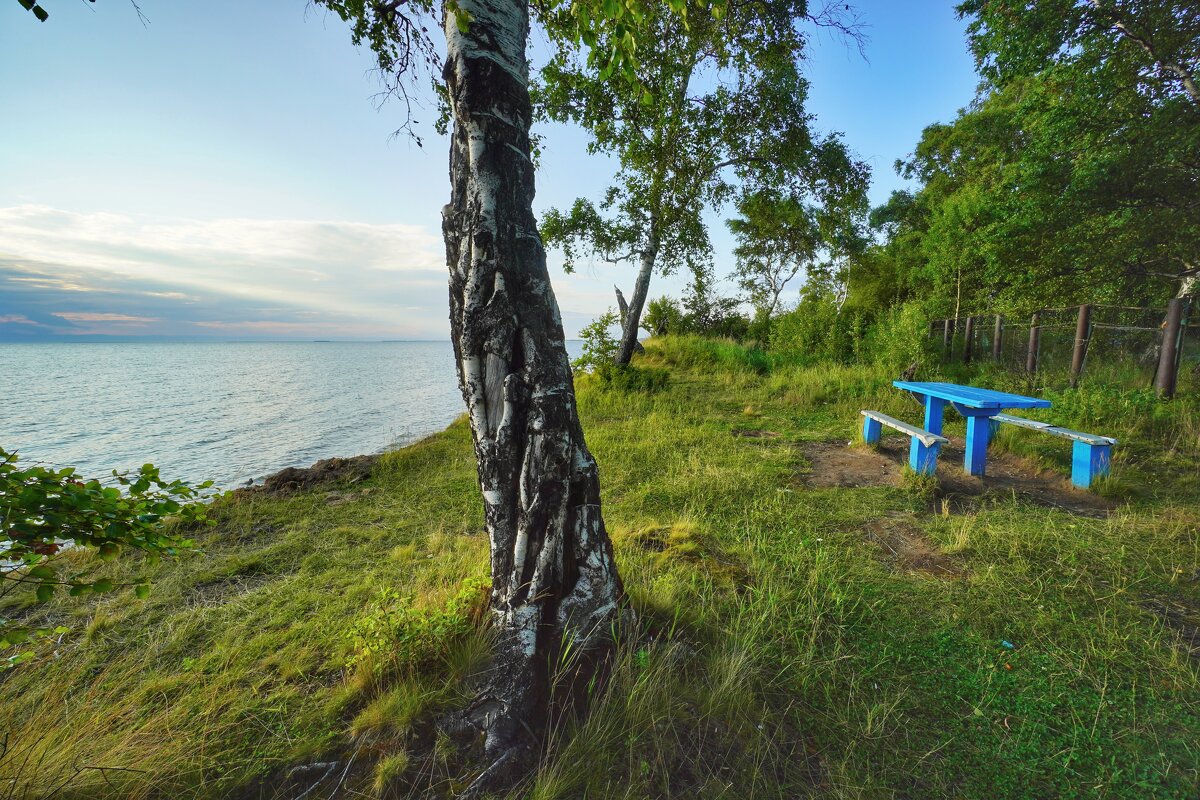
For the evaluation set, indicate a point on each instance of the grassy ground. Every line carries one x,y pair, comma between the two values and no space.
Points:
780,652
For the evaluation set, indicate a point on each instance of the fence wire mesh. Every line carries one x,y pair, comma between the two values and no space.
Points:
1121,344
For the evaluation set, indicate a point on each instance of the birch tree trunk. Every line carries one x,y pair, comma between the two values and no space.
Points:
554,581
637,302
624,308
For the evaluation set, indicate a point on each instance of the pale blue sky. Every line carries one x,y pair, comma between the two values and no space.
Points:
223,171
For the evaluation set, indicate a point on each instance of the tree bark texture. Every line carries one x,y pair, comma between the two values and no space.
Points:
554,580
638,301
624,308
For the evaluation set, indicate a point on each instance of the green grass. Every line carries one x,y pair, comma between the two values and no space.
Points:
777,653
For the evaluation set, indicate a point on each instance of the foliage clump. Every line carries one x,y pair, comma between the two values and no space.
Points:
45,512
395,634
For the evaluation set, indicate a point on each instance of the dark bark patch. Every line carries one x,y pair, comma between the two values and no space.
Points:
906,547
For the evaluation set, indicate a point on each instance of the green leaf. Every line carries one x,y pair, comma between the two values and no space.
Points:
142,590
103,585
42,572
45,591
109,551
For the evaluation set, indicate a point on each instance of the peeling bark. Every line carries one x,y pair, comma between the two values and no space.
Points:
554,581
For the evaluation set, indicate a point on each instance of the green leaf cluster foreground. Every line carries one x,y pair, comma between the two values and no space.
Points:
46,512
781,649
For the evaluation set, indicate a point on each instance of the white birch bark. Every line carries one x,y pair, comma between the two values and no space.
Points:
554,580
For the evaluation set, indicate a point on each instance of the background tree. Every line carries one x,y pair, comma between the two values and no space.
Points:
716,108
1071,177
777,237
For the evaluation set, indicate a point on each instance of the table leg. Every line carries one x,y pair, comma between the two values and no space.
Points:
922,459
935,408
978,429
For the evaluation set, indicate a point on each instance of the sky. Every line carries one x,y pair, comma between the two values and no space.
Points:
224,170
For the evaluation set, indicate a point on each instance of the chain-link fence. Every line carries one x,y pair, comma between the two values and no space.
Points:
1108,344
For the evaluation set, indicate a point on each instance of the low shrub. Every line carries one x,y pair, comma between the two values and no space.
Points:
629,378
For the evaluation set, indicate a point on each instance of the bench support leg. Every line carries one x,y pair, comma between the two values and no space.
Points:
1089,462
978,429
922,459
872,428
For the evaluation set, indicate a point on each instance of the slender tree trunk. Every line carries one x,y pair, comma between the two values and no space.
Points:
624,307
554,581
634,317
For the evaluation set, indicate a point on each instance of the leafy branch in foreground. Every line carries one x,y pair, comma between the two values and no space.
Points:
46,511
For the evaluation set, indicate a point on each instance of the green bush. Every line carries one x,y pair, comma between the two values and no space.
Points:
628,378
663,316
45,511
818,330
599,345
899,338
700,351
396,635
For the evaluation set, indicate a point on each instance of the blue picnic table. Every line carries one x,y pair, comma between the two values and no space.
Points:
977,405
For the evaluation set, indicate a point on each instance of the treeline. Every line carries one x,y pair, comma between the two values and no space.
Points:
1073,176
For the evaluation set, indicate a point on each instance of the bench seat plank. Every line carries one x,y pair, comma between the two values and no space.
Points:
1055,430
928,439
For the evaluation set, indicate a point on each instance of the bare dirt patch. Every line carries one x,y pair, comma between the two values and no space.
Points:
331,470
905,546
837,464
222,590
754,433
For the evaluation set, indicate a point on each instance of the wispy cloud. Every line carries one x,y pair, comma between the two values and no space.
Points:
237,276
72,273
16,319
90,316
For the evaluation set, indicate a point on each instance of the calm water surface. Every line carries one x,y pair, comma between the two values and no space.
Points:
229,411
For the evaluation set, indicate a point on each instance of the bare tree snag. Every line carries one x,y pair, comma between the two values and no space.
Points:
554,581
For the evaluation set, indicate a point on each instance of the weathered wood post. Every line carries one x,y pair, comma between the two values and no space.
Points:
1035,333
997,337
947,338
1082,335
1168,355
968,339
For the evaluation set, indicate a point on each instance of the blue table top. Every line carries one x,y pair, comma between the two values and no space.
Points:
972,397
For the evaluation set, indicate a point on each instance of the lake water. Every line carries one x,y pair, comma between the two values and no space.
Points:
229,412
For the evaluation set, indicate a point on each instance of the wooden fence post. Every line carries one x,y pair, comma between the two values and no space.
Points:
947,340
1035,331
968,339
1168,355
1082,334
997,337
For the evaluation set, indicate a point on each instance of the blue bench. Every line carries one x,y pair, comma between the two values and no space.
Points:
1091,455
923,452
